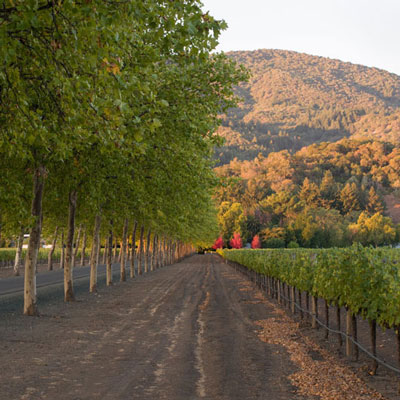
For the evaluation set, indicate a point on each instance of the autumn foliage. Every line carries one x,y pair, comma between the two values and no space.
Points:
218,244
256,244
236,242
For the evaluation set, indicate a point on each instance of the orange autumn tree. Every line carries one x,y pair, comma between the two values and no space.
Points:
236,242
256,244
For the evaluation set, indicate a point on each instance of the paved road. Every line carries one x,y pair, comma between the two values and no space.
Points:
16,284
183,332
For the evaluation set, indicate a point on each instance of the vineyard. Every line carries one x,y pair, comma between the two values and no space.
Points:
366,281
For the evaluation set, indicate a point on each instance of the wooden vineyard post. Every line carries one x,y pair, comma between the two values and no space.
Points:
338,320
326,319
293,298
279,291
372,327
307,303
398,344
349,321
300,304
355,337
314,312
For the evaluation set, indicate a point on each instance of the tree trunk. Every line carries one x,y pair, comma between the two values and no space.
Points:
146,259
141,245
109,255
115,250
77,241
132,271
51,252
18,253
105,251
153,253
98,249
30,307
68,267
94,255
120,252
62,260
83,255
123,250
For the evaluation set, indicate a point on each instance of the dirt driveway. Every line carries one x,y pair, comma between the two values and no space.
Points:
194,330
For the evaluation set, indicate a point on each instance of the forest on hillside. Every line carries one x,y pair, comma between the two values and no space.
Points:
293,100
327,194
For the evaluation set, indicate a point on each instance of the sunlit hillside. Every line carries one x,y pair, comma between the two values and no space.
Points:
293,100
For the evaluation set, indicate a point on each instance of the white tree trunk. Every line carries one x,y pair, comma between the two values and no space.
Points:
83,255
51,252
62,260
146,259
123,251
141,250
18,253
109,256
133,255
30,307
68,266
75,252
94,255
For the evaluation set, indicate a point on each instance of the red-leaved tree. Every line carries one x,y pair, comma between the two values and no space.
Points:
218,244
236,242
255,243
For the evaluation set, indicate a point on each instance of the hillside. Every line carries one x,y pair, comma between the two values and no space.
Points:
294,100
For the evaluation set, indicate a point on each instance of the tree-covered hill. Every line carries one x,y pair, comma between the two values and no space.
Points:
326,194
294,100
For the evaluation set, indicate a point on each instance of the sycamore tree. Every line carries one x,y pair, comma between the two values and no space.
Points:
113,106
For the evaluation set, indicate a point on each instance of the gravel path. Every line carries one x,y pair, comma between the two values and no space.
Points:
187,331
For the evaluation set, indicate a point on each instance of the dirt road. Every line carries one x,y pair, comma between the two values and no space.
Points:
187,331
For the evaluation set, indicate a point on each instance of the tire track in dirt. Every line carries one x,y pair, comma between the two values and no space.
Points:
183,332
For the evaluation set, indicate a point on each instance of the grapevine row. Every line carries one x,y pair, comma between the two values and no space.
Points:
365,280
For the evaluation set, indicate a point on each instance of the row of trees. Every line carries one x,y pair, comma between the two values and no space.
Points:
107,113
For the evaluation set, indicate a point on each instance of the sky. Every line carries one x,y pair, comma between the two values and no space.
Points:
363,32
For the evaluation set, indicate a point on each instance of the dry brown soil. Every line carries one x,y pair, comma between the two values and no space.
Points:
194,330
